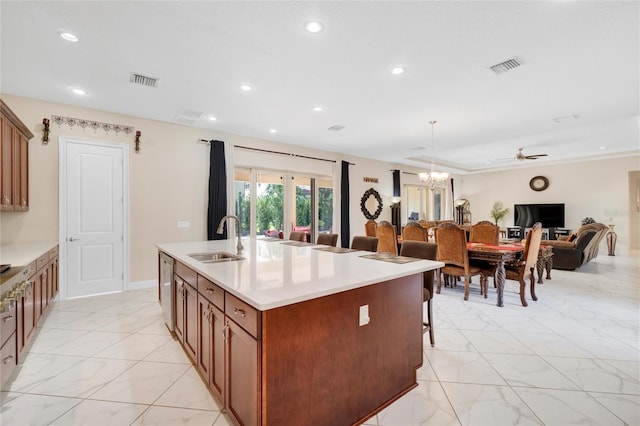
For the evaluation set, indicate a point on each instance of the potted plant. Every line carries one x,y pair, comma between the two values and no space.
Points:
498,211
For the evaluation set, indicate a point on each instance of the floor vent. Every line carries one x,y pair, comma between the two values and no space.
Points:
143,80
505,66
335,128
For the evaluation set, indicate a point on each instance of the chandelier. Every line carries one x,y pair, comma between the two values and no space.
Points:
433,179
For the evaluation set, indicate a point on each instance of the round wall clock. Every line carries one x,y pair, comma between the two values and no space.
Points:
539,183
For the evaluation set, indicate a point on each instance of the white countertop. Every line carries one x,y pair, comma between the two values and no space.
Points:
275,274
24,253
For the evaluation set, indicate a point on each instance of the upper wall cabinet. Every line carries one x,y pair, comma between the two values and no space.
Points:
14,161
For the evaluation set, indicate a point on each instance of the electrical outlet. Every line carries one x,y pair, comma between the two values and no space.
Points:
364,315
183,224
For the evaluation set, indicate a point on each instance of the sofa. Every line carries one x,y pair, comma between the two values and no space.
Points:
579,248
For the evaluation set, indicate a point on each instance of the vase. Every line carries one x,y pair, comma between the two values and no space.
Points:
612,237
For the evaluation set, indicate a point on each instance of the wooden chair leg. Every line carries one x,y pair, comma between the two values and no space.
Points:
439,282
522,291
466,287
429,325
533,285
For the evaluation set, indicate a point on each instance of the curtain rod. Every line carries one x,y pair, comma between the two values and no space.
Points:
277,152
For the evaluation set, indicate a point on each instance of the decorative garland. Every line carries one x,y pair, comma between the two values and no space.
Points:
95,125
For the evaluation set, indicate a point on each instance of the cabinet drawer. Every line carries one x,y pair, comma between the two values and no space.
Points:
42,261
242,314
8,359
53,253
211,292
7,320
187,274
30,270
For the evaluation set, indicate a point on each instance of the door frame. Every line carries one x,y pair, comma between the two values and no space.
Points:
62,202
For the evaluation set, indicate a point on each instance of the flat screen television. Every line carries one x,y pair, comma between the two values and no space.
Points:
549,215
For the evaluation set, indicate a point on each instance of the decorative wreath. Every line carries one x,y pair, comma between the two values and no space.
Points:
369,192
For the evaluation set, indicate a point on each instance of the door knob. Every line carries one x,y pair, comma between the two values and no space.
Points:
73,239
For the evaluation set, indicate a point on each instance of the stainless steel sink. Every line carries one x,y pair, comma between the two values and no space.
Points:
215,257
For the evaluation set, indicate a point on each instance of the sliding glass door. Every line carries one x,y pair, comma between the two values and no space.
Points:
273,203
423,203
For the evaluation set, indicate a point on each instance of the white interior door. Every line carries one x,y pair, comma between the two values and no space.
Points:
95,219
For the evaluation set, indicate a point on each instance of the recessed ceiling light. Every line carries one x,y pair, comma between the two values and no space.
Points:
313,26
68,36
245,87
212,118
603,147
317,108
272,130
397,70
79,92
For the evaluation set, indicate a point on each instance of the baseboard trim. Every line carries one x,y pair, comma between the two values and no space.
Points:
138,285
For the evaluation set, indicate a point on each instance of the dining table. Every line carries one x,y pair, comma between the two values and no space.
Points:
498,255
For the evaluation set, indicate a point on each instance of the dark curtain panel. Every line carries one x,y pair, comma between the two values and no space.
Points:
345,233
217,191
453,200
396,183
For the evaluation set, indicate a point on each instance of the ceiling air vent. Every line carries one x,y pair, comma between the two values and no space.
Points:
505,66
187,116
335,128
143,80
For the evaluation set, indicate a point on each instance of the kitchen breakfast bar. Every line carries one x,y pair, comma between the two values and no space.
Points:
296,333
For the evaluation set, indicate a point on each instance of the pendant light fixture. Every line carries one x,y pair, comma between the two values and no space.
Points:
433,179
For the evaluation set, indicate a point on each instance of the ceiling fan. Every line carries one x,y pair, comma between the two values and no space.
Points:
521,157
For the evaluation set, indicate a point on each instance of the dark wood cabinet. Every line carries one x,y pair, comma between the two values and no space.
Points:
186,321
211,347
243,376
14,161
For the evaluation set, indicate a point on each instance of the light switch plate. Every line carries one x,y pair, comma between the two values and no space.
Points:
364,315
183,224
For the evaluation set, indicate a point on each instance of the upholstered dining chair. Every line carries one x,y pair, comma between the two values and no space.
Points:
413,231
298,236
429,251
361,242
524,269
452,250
328,239
370,228
484,232
387,238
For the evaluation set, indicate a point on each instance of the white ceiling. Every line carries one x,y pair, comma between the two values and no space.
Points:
579,58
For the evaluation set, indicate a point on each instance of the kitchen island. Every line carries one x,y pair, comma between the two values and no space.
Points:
299,334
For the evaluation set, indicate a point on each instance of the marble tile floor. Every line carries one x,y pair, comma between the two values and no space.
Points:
572,357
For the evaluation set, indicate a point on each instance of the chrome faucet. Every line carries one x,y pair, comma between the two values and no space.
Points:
221,226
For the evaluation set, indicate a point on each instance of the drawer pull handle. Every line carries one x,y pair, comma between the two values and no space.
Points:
209,290
7,359
7,318
239,312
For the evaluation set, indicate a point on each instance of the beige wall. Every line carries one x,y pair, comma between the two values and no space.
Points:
169,178
598,189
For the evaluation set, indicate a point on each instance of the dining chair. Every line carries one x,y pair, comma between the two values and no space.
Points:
523,270
484,232
328,239
413,231
298,236
370,228
361,242
429,251
387,238
452,250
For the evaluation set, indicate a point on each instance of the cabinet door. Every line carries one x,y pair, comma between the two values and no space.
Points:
29,310
54,277
217,378
243,379
203,359
6,198
179,298
21,198
191,321
39,288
